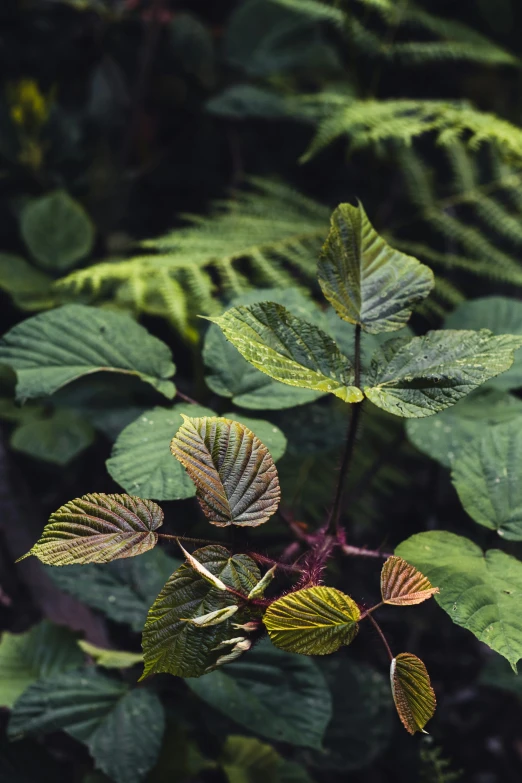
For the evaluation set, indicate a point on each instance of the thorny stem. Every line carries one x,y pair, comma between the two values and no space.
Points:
351,434
378,629
269,561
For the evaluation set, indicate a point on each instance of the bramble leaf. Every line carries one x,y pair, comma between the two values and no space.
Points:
427,374
312,621
54,348
486,475
367,281
480,591
96,710
235,475
412,692
403,585
98,528
110,659
173,644
289,349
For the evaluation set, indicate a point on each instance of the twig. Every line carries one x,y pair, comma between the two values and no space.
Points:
186,397
378,629
269,561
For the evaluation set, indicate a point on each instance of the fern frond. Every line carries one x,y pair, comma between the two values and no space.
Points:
268,235
372,122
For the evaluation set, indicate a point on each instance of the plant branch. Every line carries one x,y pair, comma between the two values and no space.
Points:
357,551
379,631
269,561
186,397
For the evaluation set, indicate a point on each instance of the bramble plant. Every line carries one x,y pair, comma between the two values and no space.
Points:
218,605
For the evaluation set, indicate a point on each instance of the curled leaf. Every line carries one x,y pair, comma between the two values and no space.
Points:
235,476
202,571
403,585
312,621
263,583
212,618
98,528
412,692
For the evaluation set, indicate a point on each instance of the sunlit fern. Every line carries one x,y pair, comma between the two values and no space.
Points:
269,235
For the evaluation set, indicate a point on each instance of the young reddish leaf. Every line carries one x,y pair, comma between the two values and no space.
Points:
313,621
97,529
235,475
403,585
412,692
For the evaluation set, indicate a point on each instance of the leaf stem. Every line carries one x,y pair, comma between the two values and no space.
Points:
269,561
186,397
378,629
190,540
368,612
361,552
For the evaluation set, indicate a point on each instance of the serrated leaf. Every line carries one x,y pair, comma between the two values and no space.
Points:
289,349
110,659
312,621
98,528
234,474
97,711
368,282
403,585
123,590
270,435
44,650
277,695
173,645
427,374
486,475
412,692
57,230
499,314
480,591
443,437
57,438
141,460
54,348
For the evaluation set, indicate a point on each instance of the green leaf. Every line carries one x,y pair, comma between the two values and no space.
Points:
57,438
110,659
313,621
30,288
123,590
430,373
403,585
173,645
361,724
500,315
57,230
442,438
368,282
289,349
97,529
44,650
412,692
498,674
233,471
141,460
276,695
97,711
270,435
248,760
480,591
52,349
486,475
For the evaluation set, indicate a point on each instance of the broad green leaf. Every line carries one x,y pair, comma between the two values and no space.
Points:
312,621
173,645
480,591
98,711
499,314
57,438
123,590
498,674
430,373
234,474
97,529
361,724
248,760
412,692
443,437
230,375
29,287
44,650
274,694
141,461
270,435
289,349
403,585
110,659
486,475
57,230
368,282
52,349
